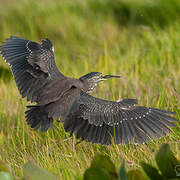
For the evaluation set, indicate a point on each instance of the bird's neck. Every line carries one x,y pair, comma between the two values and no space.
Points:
88,87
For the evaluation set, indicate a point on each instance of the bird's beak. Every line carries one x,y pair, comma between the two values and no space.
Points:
105,77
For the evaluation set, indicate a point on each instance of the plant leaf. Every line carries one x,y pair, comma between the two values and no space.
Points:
151,171
96,174
166,161
5,176
34,172
4,167
101,161
135,175
122,172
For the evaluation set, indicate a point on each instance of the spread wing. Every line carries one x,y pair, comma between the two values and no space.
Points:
98,121
33,65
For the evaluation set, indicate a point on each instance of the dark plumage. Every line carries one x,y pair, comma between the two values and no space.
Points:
89,118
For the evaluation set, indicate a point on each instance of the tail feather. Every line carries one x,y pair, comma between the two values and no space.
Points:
37,117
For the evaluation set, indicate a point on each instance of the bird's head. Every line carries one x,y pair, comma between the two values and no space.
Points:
91,80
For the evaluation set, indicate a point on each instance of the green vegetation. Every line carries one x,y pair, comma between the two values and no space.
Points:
103,168
139,40
168,165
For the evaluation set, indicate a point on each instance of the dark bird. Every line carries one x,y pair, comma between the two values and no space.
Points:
89,118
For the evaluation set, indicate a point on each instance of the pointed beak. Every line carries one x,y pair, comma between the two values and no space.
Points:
105,77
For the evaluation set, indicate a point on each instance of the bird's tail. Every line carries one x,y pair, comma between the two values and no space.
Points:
36,117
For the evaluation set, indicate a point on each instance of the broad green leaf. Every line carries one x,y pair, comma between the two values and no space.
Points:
135,175
177,169
4,167
5,176
104,162
166,161
151,171
122,172
96,174
34,172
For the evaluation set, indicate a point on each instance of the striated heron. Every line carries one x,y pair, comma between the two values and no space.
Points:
89,118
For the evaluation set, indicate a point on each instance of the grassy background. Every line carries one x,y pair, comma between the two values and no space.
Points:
139,40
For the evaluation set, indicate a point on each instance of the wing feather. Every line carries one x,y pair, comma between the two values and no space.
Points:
126,123
32,64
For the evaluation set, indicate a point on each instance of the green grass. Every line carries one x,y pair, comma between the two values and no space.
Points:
139,40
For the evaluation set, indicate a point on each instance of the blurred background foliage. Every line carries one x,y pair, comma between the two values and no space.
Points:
101,35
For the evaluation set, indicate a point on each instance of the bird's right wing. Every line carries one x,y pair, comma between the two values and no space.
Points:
97,120
32,64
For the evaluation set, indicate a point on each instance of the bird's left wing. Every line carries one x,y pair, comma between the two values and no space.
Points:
98,121
32,64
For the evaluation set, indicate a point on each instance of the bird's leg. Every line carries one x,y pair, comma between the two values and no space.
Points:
73,143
